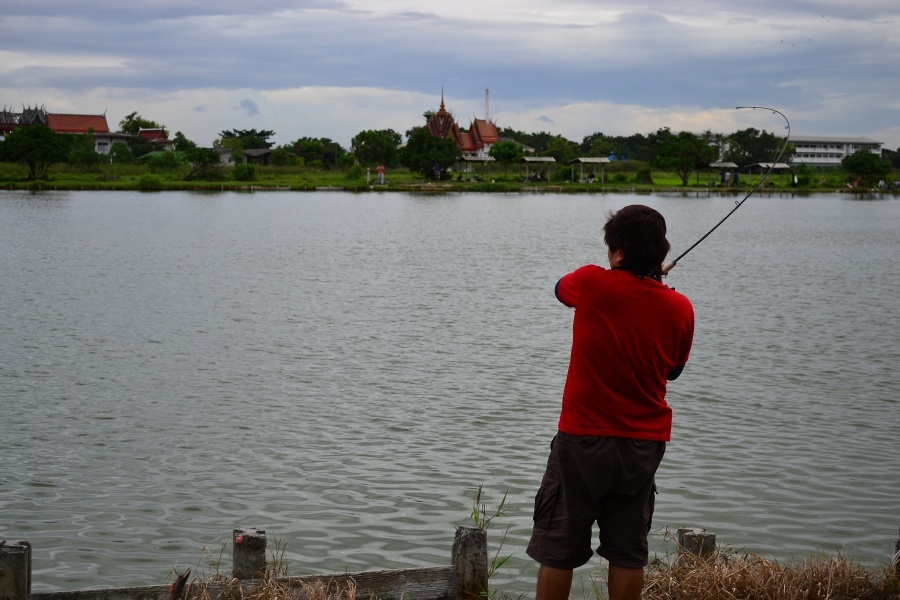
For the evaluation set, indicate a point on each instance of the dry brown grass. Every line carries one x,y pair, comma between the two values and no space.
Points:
270,588
274,585
732,576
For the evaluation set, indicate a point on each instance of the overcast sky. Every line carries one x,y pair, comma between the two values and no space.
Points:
332,68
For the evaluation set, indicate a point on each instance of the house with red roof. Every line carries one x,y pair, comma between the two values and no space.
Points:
475,143
95,125
158,137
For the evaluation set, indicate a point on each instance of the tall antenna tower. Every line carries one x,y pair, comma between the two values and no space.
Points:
487,104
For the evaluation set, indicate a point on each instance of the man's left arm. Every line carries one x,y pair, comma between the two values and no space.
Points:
675,373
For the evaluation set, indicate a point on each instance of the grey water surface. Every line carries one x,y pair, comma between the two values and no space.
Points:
345,370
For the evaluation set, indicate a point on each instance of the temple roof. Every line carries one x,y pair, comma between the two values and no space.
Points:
485,131
443,125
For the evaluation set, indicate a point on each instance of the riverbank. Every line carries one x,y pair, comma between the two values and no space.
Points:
298,179
439,188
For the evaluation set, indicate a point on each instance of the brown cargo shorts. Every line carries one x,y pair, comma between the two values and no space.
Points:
590,479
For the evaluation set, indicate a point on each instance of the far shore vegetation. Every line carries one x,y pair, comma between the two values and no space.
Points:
625,176
35,158
620,176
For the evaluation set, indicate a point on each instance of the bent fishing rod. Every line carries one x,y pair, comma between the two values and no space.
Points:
779,152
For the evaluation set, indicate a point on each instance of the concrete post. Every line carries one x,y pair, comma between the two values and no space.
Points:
248,553
469,558
15,569
696,542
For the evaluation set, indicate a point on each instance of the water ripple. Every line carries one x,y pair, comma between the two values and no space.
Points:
345,372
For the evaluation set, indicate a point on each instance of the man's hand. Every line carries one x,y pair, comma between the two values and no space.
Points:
668,267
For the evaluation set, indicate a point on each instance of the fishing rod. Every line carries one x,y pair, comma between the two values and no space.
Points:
780,151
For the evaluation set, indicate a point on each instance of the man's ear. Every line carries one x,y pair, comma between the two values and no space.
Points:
615,257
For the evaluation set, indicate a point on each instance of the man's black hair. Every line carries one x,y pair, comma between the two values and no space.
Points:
640,233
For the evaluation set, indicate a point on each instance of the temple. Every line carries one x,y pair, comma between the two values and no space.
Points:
475,143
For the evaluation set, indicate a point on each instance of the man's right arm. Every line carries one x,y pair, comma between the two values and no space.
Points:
568,288
556,293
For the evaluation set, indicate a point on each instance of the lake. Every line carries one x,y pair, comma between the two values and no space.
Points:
345,370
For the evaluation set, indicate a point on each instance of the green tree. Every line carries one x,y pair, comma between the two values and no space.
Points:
284,157
506,153
251,139
751,146
683,153
134,122
82,150
372,147
35,146
892,156
205,163
562,150
539,141
423,151
120,153
181,144
598,144
633,147
717,141
866,167
318,152
140,146
235,148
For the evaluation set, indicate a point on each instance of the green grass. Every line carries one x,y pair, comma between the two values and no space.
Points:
618,177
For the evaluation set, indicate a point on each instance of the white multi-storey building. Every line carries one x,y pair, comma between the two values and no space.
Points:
825,151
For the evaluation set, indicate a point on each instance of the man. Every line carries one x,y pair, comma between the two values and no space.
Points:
631,335
380,171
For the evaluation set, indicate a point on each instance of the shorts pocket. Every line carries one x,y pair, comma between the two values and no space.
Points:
651,506
545,504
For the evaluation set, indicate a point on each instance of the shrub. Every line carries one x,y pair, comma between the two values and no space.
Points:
150,183
164,161
644,175
354,173
244,172
282,157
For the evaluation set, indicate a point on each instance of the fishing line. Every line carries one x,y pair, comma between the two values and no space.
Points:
779,152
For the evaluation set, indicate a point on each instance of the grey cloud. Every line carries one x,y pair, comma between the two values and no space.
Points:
123,12
249,107
648,58
642,19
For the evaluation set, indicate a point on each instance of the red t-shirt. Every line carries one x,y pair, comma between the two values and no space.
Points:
628,334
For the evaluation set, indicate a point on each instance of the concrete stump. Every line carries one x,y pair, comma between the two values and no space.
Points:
15,569
469,558
249,554
696,542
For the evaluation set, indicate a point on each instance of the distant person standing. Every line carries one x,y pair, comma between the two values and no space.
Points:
437,172
726,179
734,178
380,170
